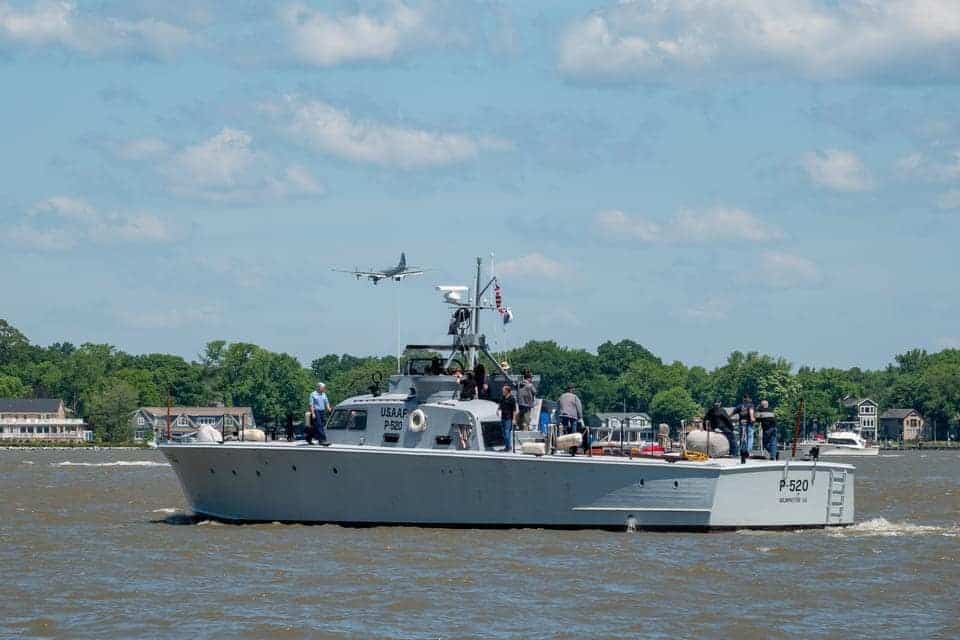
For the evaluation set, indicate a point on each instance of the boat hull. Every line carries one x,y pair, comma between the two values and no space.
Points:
367,485
846,453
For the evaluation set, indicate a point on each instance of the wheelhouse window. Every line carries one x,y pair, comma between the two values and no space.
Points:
352,419
357,420
841,441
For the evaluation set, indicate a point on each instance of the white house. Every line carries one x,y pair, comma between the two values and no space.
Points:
40,419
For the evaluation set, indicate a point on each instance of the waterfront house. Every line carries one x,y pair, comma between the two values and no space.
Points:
40,419
901,424
152,421
864,413
638,421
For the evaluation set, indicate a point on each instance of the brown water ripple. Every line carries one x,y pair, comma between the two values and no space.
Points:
109,551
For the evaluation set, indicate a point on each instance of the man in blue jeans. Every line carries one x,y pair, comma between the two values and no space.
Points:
508,409
747,417
768,426
319,407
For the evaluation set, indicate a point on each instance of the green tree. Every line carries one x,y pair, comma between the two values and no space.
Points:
615,358
12,387
110,407
358,380
673,406
15,349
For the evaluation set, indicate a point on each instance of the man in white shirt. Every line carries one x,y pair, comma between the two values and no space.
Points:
319,408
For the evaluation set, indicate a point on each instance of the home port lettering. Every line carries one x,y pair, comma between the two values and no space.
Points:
795,487
393,418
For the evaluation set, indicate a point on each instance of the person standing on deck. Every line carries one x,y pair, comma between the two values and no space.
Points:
508,410
319,408
570,410
747,417
468,387
718,420
768,426
526,396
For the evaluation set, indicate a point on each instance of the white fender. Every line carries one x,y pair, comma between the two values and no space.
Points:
254,435
206,433
417,421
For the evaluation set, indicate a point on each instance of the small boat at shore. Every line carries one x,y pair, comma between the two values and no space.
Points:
839,444
417,453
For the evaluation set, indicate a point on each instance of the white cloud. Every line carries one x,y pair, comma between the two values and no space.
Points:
950,342
687,227
216,162
142,149
334,131
61,24
61,223
710,310
171,318
534,265
650,40
945,168
66,207
325,39
837,170
782,270
225,167
949,199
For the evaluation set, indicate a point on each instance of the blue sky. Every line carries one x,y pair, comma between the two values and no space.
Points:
697,176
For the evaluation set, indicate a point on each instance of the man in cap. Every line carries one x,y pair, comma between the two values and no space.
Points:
526,397
319,408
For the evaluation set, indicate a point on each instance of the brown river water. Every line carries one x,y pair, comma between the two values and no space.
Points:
98,544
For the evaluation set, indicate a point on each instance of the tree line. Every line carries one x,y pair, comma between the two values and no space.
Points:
105,385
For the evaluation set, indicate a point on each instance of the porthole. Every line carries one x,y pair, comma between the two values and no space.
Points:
676,484
294,467
641,482
335,471
212,471
258,474
233,471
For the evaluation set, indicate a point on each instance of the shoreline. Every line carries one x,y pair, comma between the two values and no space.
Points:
60,447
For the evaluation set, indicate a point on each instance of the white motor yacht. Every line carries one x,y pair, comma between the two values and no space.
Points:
840,443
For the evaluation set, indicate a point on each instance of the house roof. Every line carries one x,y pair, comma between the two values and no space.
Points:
856,402
30,405
897,414
198,411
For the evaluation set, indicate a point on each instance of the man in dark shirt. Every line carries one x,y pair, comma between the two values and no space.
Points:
508,409
468,387
747,417
768,424
718,420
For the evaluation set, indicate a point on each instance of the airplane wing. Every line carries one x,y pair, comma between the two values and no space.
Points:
362,274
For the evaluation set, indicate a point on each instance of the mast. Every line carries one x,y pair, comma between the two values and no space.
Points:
476,319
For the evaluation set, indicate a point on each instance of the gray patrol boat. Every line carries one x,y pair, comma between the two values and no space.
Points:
417,454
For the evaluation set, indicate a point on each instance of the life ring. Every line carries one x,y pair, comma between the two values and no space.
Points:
417,421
